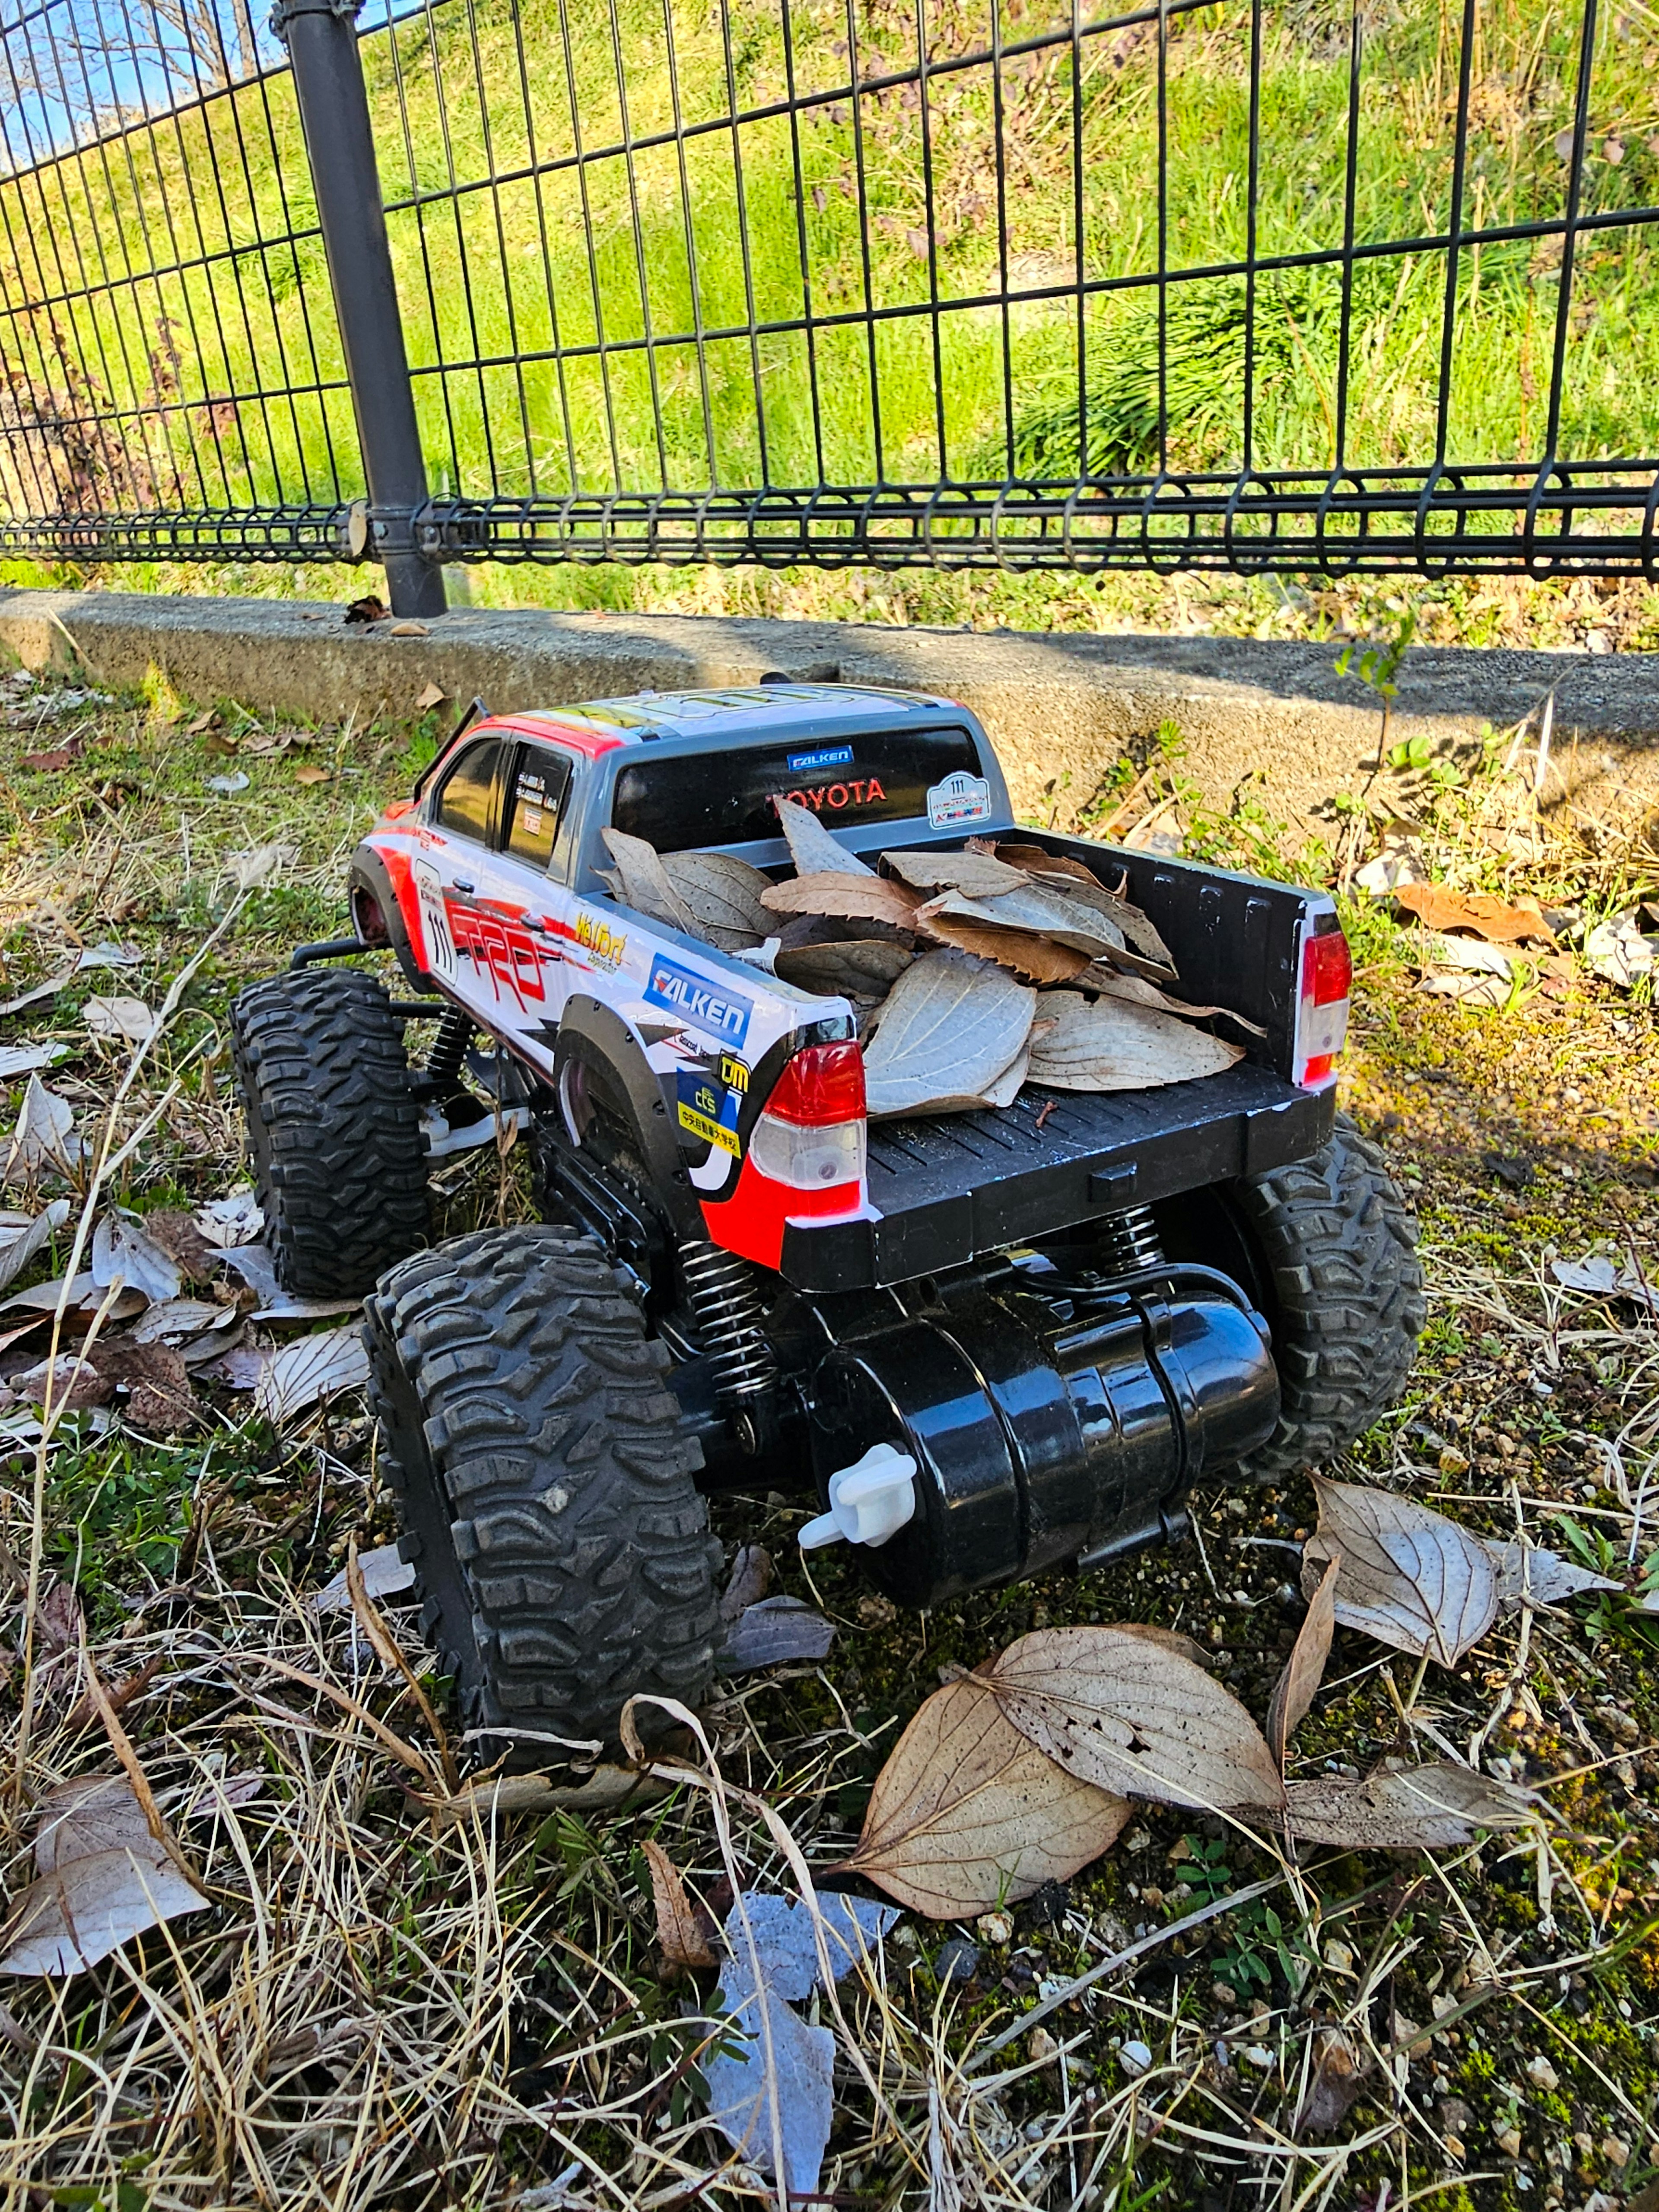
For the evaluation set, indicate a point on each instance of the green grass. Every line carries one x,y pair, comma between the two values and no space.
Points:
482,274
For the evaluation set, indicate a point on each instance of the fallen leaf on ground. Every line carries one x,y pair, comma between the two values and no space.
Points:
684,1933
70,1383
368,609
225,1222
1409,1576
1625,948
967,1815
864,971
33,997
950,1027
1600,1277
752,1579
227,787
81,1297
1336,2086
313,1367
848,898
1106,1044
46,1135
29,1059
643,883
1130,1714
21,1243
260,863
1436,907
129,1021
181,1317
1304,1669
54,760
432,695
1423,1807
722,895
385,1571
57,1620
100,1878
123,1252
409,629
811,848
312,774
160,1397
239,1369
773,1631
1529,1571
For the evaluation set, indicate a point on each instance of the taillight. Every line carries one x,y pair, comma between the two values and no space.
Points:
1321,1020
811,1133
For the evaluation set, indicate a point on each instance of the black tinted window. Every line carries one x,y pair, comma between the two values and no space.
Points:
532,817
728,798
464,801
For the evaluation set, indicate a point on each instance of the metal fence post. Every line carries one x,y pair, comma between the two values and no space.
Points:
321,38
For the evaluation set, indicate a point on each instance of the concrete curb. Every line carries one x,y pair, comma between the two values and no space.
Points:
1061,708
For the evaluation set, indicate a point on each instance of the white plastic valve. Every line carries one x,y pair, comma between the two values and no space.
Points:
869,1502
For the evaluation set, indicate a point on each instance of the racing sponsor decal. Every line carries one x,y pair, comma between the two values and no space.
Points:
606,947
821,758
708,1007
830,798
734,1073
961,798
434,926
505,952
705,1113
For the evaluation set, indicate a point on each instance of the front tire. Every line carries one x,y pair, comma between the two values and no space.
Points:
334,1131
544,1474
1334,1243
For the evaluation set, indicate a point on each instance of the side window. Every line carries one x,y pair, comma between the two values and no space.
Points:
534,803
464,801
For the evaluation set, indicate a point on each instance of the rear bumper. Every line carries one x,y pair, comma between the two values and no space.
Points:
947,1189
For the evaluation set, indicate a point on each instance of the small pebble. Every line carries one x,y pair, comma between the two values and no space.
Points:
956,1960
1542,2074
1134,2058
1615,2150
1339,1956
1509,2142
996,1926
1041,2044
1258,2056
1223,1995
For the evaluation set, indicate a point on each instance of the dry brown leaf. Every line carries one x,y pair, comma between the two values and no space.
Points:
752,1577
312,774
1033,960
1105,1044
1044,913
644,882
852,898
1129,1714
975,875
1109,982
433,694
101,1876
1438,908
947,1030
1337,2084
1304,1669
811,848
683,1934
160,1397
864,971
1409,1577
1423,1807
722,895
967,1815
1082,883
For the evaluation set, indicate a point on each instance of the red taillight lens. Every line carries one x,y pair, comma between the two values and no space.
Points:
821,1086
1326,969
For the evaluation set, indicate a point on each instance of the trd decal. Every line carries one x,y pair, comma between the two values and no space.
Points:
507,954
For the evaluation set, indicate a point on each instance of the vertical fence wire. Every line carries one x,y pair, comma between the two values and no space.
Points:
1201,282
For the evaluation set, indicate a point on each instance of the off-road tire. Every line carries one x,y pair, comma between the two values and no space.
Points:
334,1132
544,1474
1334,1241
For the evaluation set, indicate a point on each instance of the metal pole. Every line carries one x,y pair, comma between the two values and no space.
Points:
321,38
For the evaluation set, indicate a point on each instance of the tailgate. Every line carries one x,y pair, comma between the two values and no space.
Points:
946,1188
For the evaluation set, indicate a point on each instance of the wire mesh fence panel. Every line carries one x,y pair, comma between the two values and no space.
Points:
170,379
1307,284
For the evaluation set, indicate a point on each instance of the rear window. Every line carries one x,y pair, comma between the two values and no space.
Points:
730,798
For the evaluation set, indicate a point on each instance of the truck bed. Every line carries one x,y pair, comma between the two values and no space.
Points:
944,1189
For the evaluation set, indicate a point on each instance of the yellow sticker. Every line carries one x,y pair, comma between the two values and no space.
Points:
711,1131
735,1074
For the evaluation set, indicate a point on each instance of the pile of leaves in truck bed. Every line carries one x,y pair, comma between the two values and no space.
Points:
972,973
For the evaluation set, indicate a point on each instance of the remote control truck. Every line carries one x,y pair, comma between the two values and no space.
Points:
997,1343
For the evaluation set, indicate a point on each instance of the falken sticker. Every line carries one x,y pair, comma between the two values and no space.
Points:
822,756
705,1006
961,798
706,1114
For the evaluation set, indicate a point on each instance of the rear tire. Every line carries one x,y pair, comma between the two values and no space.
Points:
334,1132
544,1476
1335,1242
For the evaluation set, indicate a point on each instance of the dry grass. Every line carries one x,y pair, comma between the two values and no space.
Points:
404,1996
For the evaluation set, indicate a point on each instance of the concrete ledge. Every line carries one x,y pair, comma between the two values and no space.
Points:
1061,708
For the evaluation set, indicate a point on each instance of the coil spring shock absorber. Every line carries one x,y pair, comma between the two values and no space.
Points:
727,1301
1129,1241
448,1054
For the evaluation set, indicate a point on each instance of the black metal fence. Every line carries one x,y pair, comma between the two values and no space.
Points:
1317,285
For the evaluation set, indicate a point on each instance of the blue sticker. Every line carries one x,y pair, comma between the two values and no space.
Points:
824,756
702,1005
